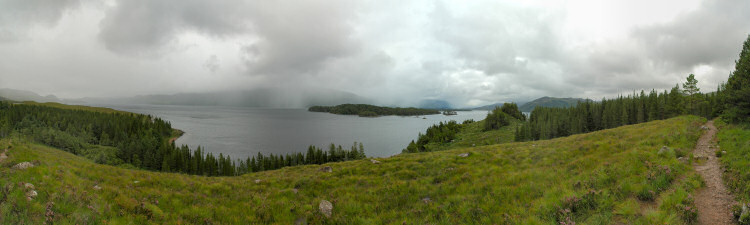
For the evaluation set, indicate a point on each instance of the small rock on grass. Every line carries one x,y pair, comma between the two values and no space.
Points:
96,187
31,194
327,169
374,161
744,217
257,181
23,165
28,186
426,200
464,155
326,208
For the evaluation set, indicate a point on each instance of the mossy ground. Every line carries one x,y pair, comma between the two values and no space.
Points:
603,177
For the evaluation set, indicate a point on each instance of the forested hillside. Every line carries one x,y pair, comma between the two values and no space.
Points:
365,110
141,141
551,102
547,122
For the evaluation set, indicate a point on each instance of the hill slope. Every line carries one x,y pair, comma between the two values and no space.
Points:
22,95
550,102
608,176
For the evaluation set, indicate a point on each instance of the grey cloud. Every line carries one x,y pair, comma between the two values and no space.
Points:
396,51
286,37
212,64
17,16
661,55
137,27
299,37
492,38
709,35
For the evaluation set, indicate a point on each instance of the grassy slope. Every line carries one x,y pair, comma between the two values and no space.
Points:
509,183
472,135
735,140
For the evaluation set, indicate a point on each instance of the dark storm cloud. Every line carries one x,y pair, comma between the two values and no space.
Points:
18,16
282,37
145,27
299,36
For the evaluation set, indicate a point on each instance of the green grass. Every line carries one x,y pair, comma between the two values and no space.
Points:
735,140
472,135
593,178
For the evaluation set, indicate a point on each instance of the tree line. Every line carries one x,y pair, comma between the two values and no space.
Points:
365,110
141,141
731,101
588,116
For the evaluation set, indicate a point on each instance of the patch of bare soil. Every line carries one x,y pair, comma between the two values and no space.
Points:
714,201
3,156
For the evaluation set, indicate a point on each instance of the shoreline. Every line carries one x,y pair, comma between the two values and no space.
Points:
176,133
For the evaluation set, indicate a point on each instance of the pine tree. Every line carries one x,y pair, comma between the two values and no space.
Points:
690,89
737,96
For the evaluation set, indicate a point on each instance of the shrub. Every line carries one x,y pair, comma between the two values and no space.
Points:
496,119
512,110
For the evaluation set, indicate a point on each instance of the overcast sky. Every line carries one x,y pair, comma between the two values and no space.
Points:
466,52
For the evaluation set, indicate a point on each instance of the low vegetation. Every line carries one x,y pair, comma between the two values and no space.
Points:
609,176
735,141
365,110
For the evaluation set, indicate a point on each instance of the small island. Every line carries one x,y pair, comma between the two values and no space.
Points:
365,110
450,113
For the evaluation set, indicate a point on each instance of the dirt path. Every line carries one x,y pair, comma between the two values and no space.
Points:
713,202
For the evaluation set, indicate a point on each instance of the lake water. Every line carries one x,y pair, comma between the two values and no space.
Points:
242,132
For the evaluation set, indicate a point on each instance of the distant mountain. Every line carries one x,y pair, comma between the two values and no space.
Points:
434,104
21,95
272,98
492,106
551,102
